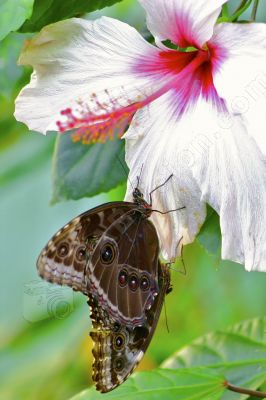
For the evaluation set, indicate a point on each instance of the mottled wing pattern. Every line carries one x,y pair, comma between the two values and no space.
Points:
118,348
127,283
65,257
63,260
110,253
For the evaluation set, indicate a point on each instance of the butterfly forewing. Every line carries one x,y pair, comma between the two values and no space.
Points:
92,251
118,348
64,259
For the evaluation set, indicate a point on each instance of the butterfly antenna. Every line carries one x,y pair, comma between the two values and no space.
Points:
138,178
163,212
157,187
167,212
126,172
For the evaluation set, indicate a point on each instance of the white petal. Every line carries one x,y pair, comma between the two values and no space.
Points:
232,178
153,148
73,60
211,164
241,75
184,22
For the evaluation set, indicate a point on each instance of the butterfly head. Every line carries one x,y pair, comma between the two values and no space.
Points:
137,195
139,199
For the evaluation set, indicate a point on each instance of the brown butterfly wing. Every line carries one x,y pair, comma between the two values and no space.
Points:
74,257
119,348
127,283
65,257
111,254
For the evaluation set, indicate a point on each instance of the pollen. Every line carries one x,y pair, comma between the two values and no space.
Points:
99,121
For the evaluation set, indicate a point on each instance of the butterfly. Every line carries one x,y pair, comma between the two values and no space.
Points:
111,254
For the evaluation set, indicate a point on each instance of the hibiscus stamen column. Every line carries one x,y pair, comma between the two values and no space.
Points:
100,124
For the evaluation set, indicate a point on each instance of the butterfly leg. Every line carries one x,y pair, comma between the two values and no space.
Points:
157,187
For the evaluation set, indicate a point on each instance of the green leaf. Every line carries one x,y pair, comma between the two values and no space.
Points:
25,156
10,73
48,11
86,170
12,15
185,384
32,360
239,353
199,370
210,233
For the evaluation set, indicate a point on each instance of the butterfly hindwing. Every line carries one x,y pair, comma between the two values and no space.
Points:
118,348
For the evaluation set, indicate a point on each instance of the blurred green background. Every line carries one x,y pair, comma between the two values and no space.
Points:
45,348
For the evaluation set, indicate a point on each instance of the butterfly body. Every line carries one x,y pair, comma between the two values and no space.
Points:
111,254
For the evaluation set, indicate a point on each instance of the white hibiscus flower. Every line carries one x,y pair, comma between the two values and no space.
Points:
197,114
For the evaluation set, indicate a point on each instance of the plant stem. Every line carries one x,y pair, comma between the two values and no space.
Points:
225,11
237,389
254,10
241,5
239,11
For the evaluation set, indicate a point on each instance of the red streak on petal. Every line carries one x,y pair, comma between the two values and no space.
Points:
193,72
169,61
183,31
182,28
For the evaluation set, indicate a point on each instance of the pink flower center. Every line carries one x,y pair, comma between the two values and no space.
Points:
190,75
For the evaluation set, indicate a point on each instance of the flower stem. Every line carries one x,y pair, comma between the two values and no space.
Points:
237,389
241,5
254,10
225,11
239,11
